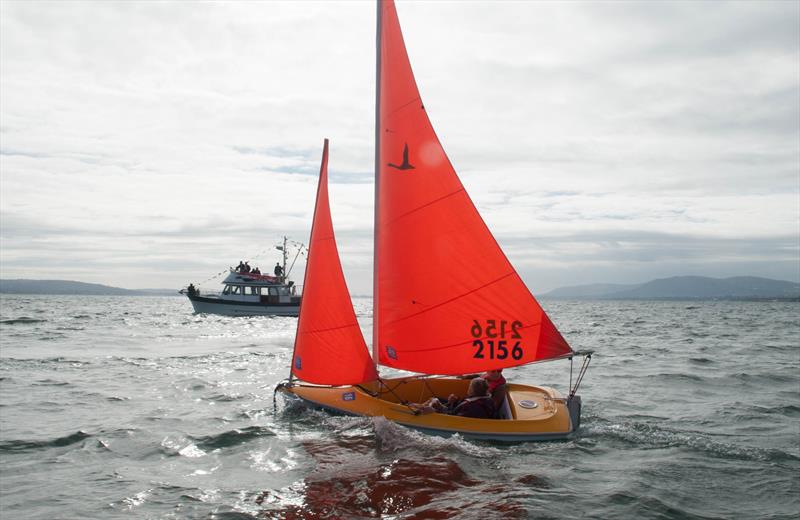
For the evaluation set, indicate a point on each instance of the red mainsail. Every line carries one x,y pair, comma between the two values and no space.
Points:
329,348
447,300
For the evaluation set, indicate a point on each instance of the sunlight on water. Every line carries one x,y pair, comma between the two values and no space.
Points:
688,409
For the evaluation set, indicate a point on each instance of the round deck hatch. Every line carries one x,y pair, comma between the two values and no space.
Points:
528,404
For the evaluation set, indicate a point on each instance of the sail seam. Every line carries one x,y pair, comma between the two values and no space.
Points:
407,213
315,331
451,300
401,107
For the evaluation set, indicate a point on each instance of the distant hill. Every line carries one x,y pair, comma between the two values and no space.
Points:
687,287
595,290
71,287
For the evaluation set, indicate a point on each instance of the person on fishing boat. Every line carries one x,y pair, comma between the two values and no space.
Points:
478,403
278,270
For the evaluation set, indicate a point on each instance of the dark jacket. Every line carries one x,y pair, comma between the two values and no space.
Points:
476,407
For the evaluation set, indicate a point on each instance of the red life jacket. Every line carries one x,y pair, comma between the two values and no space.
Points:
494,384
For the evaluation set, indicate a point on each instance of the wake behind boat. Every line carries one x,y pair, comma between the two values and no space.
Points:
248,292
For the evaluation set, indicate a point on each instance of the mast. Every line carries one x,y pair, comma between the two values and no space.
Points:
376,237
283,275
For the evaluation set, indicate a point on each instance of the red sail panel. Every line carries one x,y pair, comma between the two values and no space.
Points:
329,348
448,300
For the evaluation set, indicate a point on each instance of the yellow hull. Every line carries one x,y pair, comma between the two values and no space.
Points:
536,413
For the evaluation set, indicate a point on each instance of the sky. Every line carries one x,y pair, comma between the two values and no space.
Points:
153,144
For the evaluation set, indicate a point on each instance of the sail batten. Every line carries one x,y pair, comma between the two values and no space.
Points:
447,300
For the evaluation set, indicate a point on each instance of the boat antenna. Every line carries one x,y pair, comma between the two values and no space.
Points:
376,232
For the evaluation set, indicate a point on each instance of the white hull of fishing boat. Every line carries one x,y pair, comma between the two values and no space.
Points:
248,294
217,305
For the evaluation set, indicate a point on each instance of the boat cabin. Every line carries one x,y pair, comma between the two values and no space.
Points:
260,293
255,288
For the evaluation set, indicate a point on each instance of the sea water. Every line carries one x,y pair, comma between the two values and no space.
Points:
133,407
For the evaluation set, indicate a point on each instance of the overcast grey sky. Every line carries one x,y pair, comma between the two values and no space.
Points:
149,144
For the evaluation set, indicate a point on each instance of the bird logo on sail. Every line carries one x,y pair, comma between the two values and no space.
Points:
405,165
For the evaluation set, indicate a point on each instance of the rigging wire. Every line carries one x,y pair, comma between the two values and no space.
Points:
301,250
582,372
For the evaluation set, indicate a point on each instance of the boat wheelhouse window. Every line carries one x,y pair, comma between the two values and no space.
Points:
226,290
273,291
236,289
255,290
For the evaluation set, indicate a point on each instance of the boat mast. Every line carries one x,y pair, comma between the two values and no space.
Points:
283,273
375,320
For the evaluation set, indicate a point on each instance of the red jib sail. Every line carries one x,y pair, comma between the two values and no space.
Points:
447,299
329,348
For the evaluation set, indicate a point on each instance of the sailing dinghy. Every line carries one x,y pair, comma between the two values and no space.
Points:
447,301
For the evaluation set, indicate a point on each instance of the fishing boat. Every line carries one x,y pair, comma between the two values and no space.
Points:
249,293
446,300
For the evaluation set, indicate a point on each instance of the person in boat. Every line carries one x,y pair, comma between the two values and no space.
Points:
256,270
497,385
246,268
478,404
191,290
240,267
278,270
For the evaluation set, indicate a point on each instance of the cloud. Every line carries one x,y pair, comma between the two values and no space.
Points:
156,143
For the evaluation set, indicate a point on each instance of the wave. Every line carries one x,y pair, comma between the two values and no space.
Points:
756,412
37,362
228,398
628,505
232,437
24,320
769,379
51,382
59,442
235,515
354,478
174,448
667,376
345,484
391,436
381,434
653,436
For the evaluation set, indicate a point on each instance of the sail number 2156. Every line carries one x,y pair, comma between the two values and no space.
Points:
496,346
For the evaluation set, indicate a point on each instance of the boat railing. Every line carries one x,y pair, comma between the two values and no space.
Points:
218,294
